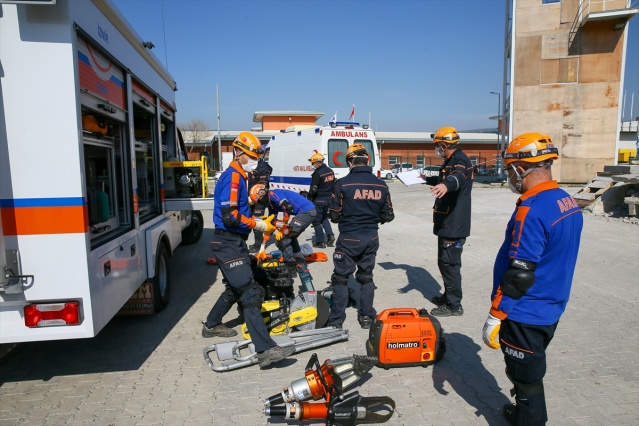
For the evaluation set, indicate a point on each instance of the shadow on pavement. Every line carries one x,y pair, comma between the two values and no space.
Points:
126,342
418,279
462,369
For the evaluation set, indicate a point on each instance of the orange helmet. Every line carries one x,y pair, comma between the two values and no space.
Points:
249,143
356,150
257,191
316,157
447,135
531,148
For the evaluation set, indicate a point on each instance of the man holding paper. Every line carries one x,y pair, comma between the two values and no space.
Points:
451,217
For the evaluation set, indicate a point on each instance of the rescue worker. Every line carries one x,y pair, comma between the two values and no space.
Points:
261,174
451,217
360,202
233,223
319,193
298,214
533,273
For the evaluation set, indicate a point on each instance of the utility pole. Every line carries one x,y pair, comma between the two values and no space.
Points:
498,133
219,140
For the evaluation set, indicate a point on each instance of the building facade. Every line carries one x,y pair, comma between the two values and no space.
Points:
564,76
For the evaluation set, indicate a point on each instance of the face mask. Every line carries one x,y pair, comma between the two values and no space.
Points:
440,151
513,188
250,165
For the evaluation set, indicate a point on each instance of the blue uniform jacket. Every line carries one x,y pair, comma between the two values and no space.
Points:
361,201
231,195
300,204
544,229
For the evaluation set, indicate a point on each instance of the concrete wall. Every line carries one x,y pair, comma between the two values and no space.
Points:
568,90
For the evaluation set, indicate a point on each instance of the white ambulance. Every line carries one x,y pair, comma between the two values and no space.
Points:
288,152
94,197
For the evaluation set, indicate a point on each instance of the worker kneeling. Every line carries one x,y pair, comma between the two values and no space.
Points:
298,214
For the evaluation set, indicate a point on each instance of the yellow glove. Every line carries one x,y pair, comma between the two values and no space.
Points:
490,333
261,255
265,225
278,235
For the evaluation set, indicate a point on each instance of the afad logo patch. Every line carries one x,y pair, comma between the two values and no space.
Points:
235,185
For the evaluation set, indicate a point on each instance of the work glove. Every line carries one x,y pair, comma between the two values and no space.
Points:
265,225
490,333
278,235
261,255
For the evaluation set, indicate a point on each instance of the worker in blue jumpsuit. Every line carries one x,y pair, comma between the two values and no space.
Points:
533,273
233,223
298,214
360,202
320,192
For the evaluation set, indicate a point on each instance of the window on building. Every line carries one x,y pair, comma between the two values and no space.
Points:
393,159
550,1
419,161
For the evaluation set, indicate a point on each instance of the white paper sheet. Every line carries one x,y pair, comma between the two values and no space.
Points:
411,177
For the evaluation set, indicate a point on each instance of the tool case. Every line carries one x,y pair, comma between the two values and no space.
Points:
406,337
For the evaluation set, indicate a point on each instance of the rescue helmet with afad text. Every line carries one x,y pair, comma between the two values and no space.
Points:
316,157
249,144
531,148
447,135
356,150
257,192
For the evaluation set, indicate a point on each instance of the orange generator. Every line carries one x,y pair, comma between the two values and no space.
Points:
406,337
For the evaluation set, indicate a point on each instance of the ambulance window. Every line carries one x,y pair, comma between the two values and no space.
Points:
337,153
369,148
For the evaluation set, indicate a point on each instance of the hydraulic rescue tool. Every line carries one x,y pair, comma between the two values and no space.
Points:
328,381
338,373
282,310
241,353
404,337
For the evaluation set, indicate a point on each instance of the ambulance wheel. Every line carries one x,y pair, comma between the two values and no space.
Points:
161,279
192,233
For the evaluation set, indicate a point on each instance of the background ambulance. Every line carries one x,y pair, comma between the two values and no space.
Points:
289,151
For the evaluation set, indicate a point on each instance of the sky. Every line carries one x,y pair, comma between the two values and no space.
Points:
409,65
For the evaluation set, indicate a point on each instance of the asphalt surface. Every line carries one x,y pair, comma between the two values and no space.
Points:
151,371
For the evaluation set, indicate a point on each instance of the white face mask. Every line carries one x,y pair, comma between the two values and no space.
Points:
513,188
250,165
440,151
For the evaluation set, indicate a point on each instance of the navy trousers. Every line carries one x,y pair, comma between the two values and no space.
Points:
524,348
353,251
233,260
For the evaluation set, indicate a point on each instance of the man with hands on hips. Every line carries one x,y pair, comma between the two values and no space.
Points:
533,273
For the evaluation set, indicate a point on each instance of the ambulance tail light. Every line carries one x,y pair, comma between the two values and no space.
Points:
52,314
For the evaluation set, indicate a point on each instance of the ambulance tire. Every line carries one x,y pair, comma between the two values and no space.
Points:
192,233
161,279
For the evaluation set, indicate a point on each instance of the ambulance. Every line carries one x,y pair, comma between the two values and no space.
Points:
95,195
288,152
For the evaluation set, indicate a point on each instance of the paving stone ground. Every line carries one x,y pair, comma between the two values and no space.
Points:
151,371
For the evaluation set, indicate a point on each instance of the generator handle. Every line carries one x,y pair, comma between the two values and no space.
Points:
397,312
